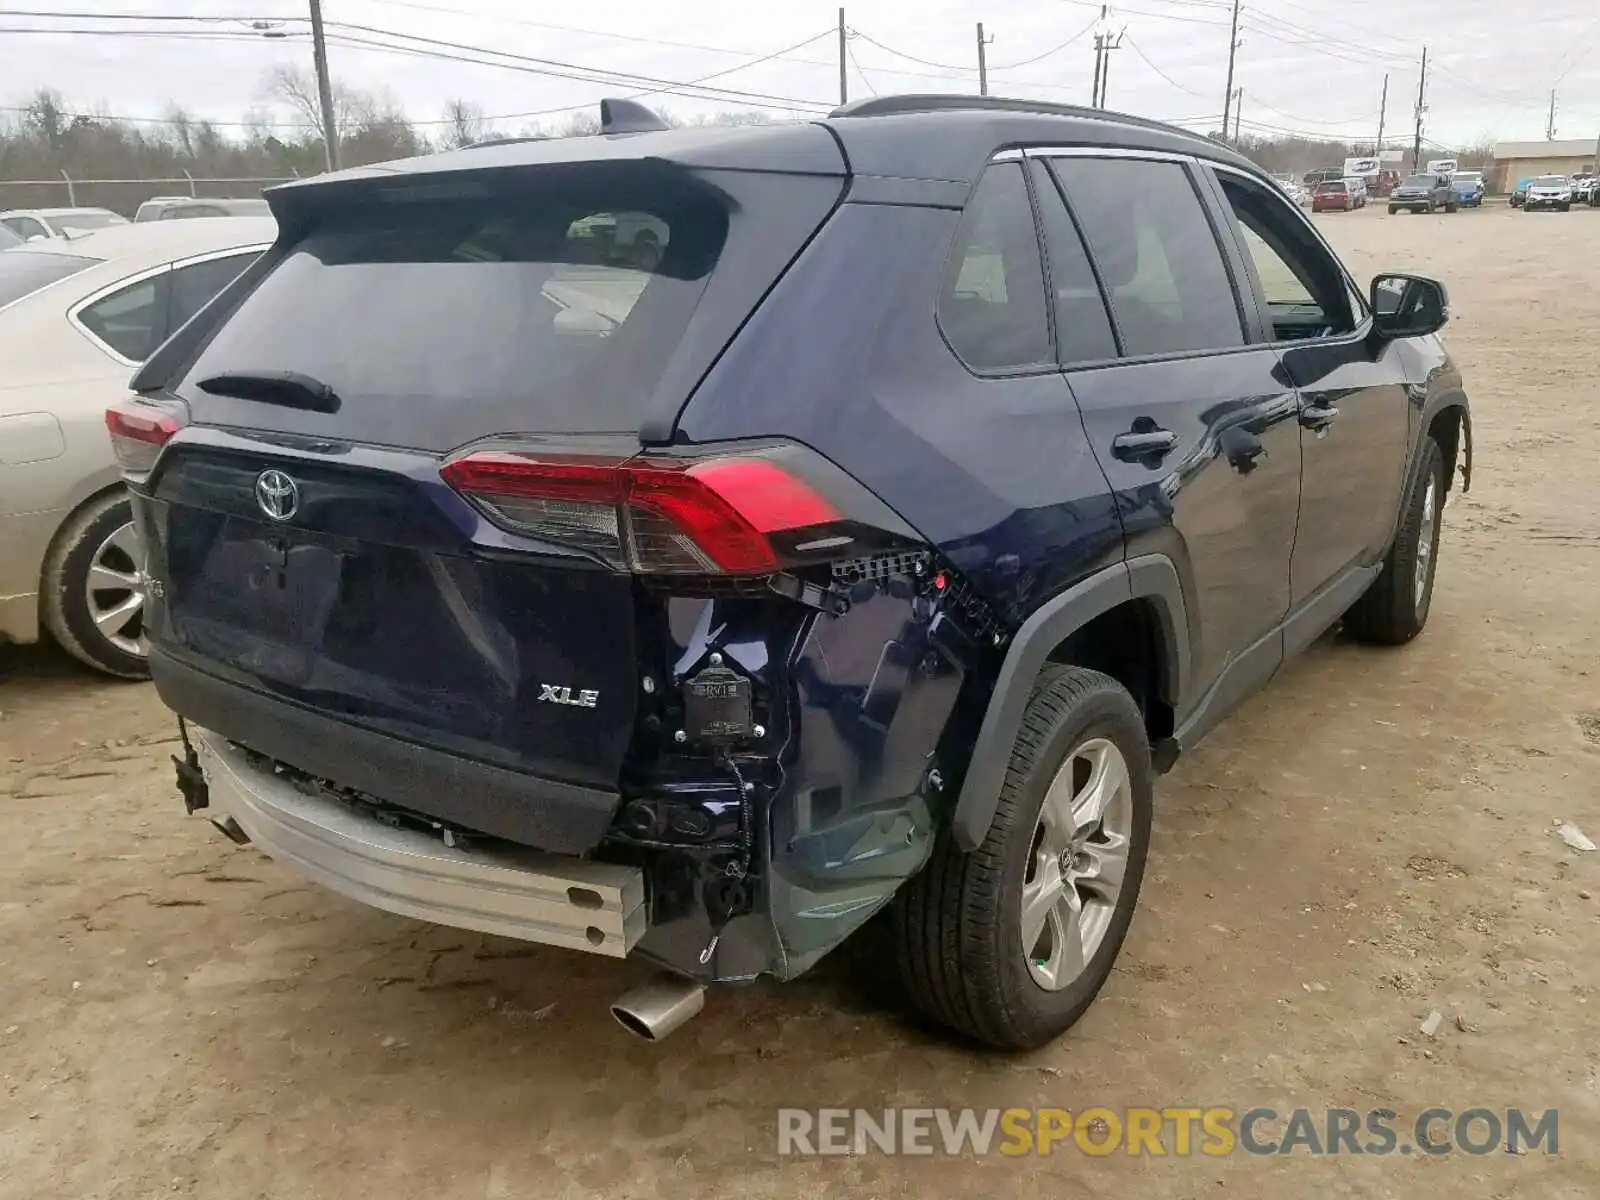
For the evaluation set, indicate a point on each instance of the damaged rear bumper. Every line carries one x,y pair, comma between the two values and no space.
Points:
517,893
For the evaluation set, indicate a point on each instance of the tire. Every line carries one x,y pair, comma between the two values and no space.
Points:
1393,210
1449,208
1566,208
1395,608
97,537
957,926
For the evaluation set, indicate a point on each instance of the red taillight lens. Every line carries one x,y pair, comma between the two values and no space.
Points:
652,516
138,432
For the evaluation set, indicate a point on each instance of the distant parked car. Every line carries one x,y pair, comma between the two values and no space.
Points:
49,224
1549,191
177,208
1423,193
76,317
1519,193
1358,190
1583,187
1468,187
1332,195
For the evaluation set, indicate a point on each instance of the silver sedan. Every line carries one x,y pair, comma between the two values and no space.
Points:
76,318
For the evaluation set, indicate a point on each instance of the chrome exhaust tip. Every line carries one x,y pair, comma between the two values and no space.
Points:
232,830
656,1009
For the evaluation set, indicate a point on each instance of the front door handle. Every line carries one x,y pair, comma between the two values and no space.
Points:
1147,446
1318,416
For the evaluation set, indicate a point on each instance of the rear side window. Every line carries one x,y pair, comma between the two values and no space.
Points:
131,320
1157,254
26,271
439,321
992,308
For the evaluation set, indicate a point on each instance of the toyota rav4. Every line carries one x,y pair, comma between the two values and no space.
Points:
957,465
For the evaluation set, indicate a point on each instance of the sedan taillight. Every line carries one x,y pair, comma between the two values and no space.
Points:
139,431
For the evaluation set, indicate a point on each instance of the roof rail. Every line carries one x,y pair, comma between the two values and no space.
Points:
883,106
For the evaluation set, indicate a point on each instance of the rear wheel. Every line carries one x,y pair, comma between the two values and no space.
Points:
1393,209
93,590
1395,608
1009,944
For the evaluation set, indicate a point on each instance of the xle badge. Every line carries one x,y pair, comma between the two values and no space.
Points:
551,694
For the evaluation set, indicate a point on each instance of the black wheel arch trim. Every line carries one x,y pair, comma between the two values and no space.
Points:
1149,577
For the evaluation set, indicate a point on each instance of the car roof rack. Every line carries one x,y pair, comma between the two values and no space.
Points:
885,106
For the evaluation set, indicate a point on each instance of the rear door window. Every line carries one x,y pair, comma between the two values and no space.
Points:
194,285
1156,252
1083,328
437,322
25,271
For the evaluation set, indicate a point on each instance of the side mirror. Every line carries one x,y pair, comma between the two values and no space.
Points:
1405,306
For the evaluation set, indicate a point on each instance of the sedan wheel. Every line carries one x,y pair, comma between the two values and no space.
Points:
94,589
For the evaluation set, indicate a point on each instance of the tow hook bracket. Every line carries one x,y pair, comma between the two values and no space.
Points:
191,779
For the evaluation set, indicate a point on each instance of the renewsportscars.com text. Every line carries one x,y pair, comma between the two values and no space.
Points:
1158,1132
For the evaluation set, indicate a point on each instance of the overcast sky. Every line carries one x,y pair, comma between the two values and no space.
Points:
1305,65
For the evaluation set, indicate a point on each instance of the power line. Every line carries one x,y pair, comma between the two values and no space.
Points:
1054,50
1147,62
865,82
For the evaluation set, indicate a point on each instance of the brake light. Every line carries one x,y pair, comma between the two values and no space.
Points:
138,432
653,516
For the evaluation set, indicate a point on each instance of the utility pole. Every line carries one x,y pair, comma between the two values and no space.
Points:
1422,93
1099,58
1550,125
844,55
1238,112
1107,45
1233,49
319,56
983,65
1383,113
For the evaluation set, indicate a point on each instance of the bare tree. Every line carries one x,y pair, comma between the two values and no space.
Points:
296,88
466,123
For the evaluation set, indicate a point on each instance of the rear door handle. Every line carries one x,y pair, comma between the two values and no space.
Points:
1318,416
1147,446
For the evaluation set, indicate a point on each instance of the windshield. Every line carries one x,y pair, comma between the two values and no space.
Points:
1331,187
1418,181
23,272
8,238
1468,176
1550,181
79,222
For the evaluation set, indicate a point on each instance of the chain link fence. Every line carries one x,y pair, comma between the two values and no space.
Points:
123,195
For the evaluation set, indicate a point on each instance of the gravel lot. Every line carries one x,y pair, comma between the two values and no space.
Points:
1367,841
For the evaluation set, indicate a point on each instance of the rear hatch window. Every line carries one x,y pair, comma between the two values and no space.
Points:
23,272
555,308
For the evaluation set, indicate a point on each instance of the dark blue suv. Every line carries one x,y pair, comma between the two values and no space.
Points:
950,468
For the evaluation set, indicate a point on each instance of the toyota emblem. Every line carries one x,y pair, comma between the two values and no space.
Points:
278,495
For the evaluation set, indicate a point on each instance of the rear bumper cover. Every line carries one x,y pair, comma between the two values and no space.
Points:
547,814
598,907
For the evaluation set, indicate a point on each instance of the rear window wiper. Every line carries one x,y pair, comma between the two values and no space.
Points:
289,389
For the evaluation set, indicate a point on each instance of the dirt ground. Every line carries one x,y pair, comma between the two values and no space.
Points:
1367,841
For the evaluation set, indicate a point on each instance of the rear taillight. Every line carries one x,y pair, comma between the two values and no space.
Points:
739,515
139,431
